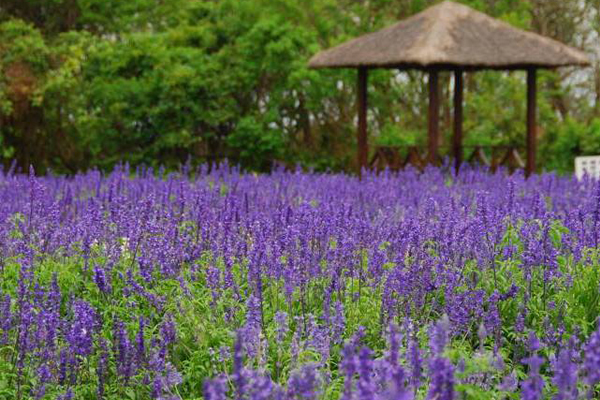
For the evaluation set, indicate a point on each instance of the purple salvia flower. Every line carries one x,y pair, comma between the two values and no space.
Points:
140,344
168,331
239,380
213,281
591,361
318,339
416,364
348,367
597,214
492,316
100,279
509,383
252,328
261,387
365,385
441,370
338,323
304,384
215,389
172,376
533,343
438,337
510,293
565,376
63,364
441,374
398,390
520,321
102,369
157,387
5,319
281,319
394,343
80,336
44,375
533,386
123,352
498,363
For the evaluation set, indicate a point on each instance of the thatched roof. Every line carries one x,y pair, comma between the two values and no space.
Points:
450,36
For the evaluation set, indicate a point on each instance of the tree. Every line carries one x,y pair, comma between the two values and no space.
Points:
154,82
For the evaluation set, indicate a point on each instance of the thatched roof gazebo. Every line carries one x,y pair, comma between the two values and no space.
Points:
449,37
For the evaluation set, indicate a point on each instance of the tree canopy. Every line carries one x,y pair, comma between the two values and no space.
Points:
93,82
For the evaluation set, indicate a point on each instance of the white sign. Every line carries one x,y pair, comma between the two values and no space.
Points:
589,165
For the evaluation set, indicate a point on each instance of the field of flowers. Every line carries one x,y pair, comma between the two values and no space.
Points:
215,284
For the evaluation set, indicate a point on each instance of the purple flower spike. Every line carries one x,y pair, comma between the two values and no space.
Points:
441,373
239,380
80,337
348,367
591,362
416,363
215,389
532,388
533,343
281,319
304,384
439,335
168,331
565,376
365,385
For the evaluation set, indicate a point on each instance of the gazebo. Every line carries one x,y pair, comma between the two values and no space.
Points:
449,37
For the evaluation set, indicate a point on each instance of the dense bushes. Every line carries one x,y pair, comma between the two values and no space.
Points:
155,83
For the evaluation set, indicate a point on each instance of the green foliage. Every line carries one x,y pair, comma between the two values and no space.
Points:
255,143
95,82
569,139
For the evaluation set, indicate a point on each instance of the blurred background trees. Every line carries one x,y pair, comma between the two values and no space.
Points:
93,82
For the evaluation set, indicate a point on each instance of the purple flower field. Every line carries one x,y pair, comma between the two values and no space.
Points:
215,284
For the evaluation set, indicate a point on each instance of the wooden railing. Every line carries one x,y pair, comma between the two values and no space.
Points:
396,158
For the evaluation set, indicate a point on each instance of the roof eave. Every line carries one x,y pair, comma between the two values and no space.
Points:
447,66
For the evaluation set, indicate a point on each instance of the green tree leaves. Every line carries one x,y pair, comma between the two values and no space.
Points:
155,82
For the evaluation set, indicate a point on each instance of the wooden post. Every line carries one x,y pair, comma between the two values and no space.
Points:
458,119
531,120
363,149
433,117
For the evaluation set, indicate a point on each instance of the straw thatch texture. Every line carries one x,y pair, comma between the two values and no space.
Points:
450,35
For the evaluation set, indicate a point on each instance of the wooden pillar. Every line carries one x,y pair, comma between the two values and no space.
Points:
363,149
458,119
433,131
531,121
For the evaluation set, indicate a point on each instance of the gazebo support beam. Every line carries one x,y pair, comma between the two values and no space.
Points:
531,120
363,149
458,119
433,131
